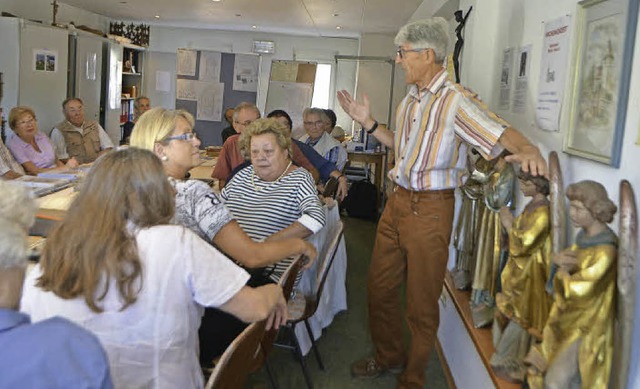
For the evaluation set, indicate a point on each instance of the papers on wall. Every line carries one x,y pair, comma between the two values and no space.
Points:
209,95
245,73
294,97
523,60
284,71
210,66
186,62
45,60
553,70
505,78
186,89
163,81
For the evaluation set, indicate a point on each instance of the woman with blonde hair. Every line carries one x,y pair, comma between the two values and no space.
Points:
117,267
30,147
169,134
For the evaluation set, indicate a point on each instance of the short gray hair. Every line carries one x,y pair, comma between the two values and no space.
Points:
248,106
318,111
17,213
432,33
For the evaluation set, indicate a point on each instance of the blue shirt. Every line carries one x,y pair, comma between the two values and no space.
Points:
53,353
324,166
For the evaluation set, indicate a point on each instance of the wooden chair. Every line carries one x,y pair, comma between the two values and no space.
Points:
302,307
248,352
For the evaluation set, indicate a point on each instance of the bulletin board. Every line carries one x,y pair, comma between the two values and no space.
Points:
209,82
291,88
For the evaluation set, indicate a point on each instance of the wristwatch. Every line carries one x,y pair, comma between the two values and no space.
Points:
373,128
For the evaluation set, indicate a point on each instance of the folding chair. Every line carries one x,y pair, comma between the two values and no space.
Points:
302,307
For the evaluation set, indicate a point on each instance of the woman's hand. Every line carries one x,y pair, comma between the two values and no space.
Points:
278,315
72,163
343,188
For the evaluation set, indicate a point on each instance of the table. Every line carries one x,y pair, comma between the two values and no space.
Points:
203,171
334,294
377,159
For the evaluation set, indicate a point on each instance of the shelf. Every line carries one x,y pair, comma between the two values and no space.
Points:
131,74
481,337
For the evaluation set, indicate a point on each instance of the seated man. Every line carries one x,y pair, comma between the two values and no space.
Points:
229,130
315,120
141,105
9,168
76,137
53,353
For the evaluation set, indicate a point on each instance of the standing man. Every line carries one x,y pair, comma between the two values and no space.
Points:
141,105
76,137
436,122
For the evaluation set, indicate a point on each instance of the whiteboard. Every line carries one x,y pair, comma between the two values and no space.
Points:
292,97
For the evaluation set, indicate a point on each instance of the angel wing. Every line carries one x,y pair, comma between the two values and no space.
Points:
558,213
627,252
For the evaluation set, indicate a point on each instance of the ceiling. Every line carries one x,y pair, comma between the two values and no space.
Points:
298,17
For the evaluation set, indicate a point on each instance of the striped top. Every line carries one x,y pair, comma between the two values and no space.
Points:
434,128
274,206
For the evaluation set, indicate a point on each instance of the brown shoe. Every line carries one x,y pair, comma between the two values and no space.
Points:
369,368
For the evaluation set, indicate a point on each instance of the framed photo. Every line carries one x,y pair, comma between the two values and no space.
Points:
600,87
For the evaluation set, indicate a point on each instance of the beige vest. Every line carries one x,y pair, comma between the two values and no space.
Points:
86,146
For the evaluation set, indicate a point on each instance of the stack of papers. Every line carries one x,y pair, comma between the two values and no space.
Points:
41,186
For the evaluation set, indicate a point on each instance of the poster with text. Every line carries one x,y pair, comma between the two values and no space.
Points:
505,78
523,64
186,62
553,70
245,73
209,96
210,66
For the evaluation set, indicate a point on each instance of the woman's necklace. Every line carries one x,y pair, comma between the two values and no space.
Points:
253,182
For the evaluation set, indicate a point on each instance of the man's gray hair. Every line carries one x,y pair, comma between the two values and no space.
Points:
244,105
17,213
318,111
430,33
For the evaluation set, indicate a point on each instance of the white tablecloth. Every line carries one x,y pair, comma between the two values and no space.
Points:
334,294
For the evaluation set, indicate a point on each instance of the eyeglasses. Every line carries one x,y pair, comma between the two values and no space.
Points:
401,52
188,136
316,123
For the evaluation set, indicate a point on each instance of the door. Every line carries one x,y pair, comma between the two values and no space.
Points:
88,74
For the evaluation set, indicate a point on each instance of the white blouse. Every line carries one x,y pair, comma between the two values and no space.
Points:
154,342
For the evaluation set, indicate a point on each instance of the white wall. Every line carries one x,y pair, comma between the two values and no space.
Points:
9,63
287,47
497,24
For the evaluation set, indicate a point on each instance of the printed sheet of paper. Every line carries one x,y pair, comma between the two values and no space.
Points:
186,90
186,62
553,70
210,96
245,73
523,61
210,66
505,78
163,81
284,71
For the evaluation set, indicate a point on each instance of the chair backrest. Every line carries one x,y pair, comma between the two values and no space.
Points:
234,366
324,267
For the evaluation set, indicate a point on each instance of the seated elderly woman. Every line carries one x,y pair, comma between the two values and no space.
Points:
271,198
30,147
315,121
116,267
169,134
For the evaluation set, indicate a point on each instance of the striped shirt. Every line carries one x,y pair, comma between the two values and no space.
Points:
434,128
274,206
7,163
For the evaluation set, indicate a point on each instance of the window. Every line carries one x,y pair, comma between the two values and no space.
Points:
322,86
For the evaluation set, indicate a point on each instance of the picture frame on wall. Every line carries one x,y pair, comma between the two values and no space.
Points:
603,57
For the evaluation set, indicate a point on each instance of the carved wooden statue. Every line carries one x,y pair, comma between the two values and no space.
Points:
468,225
577,341
491,248
523,304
